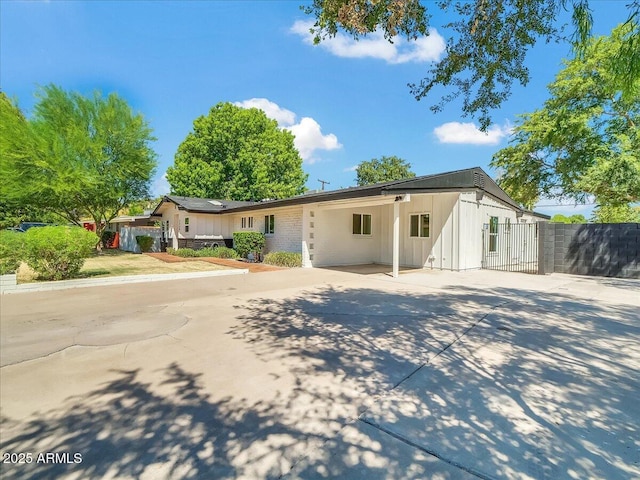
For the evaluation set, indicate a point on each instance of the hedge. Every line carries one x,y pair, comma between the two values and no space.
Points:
283,259
248,242
11,251
56,253
216,252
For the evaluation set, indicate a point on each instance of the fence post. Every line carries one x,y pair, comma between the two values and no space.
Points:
546,241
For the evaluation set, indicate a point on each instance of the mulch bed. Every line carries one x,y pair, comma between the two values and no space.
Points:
225,262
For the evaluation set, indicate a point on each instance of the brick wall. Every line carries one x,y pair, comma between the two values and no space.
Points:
608,250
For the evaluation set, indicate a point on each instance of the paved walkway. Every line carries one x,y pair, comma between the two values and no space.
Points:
227,262
309,373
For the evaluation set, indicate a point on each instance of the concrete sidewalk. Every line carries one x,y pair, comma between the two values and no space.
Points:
326,374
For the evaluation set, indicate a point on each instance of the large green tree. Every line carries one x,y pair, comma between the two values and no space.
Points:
487,49
235,153
76,156
384,169
584,141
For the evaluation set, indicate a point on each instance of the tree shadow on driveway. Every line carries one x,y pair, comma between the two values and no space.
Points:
530,390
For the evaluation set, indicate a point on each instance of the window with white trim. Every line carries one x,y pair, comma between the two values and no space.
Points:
186,224
419,225
246,222
361,224
269,224
493,234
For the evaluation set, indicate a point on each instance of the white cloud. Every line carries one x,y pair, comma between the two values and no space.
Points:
468,133
374,45
309,138
281,115
308,133
350,169
160,186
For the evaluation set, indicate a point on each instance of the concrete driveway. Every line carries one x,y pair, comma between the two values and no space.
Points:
325,374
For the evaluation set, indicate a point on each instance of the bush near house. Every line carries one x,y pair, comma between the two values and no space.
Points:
145,242
215,252
283,259
248,242
57,253
11,251
218,252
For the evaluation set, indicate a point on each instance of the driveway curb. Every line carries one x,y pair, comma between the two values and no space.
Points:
94,282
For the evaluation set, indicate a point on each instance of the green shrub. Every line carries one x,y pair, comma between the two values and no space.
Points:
217,252
283,259
145,242
171,250
184,252
11,251
56,253
248,242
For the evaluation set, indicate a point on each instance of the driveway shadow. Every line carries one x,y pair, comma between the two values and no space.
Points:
397,360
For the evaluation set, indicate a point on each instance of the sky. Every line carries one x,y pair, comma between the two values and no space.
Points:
345,101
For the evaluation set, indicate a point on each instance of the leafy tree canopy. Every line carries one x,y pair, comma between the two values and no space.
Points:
490,40
584,140
616,214
76,156
576,219
385,169
237,154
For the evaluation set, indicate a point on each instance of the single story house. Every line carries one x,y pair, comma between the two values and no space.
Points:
433,221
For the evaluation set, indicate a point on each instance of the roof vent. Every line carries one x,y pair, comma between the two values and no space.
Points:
478,180
216,203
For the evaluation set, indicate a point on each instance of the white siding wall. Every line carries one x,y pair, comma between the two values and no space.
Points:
335,243
474,215
440,249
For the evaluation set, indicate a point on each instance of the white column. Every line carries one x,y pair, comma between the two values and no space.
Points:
396,238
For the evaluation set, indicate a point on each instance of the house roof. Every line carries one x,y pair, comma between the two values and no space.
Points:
201,205
471,179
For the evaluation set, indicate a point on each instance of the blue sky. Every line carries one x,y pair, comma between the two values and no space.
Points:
344,101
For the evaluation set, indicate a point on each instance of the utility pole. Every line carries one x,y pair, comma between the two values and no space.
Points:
323,182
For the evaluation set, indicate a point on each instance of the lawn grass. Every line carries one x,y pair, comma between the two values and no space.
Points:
112,263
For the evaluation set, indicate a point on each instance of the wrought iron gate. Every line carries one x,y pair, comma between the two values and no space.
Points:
510,247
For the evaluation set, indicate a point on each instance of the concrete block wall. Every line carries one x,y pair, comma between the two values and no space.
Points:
608,250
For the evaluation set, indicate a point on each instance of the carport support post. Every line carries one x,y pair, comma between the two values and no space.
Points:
396,238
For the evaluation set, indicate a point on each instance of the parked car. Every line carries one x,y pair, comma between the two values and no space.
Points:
24,226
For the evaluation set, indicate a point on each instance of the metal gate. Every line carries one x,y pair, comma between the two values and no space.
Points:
510,247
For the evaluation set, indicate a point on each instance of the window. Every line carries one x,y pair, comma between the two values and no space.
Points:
419,225
247,222
493,234
269,224
361,224
186,224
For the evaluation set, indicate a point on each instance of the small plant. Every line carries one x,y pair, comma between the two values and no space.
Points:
145,242
283,259
248,242
56,253
11,251
171,251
